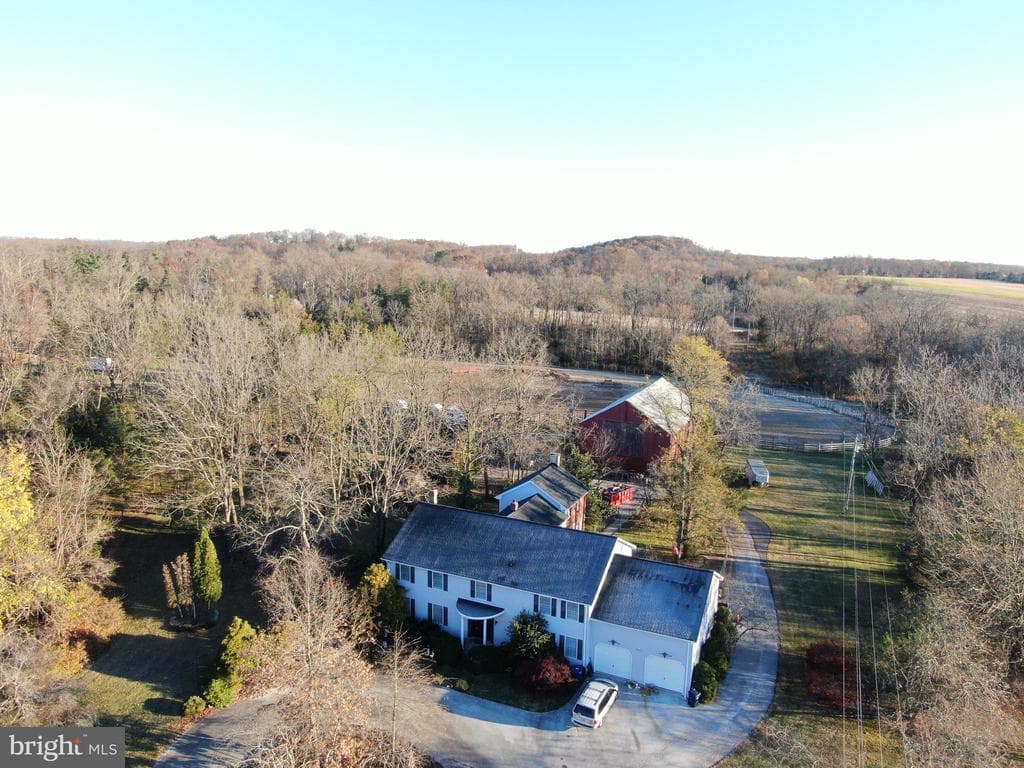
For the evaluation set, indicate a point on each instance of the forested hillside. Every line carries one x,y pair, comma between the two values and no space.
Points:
613,305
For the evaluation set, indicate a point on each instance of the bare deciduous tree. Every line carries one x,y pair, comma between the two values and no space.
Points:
204,415
405,667
66,487
327,705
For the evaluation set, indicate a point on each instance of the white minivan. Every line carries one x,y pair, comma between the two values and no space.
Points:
595,701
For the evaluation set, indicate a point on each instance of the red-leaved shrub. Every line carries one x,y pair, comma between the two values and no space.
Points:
826,663
547,674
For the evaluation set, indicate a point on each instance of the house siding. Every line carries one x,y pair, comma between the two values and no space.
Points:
642,644
513,601
521,493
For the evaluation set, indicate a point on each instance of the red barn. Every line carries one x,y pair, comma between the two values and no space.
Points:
636,429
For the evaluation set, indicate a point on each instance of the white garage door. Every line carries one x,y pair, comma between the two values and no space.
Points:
665,673
613,660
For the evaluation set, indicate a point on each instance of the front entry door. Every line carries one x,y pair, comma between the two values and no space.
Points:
475,631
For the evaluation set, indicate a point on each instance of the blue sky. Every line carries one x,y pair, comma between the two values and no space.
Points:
807,129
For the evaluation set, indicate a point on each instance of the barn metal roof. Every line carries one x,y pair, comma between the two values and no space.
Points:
656,597
552,561
661,401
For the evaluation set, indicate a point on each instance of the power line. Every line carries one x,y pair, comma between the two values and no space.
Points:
874,653
856,622
895,669
846,503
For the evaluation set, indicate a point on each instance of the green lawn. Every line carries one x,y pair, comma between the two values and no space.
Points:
810,560
142,680
653,529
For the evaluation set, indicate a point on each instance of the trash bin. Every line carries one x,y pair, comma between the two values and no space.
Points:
692,697
578,671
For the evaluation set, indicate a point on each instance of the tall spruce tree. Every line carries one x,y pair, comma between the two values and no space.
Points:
206,570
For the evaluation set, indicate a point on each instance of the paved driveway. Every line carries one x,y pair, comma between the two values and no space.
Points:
223,737
657,731
461,731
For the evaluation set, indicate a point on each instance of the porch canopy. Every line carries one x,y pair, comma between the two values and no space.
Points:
471,609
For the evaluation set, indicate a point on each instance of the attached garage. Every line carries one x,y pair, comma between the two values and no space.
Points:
613,660
670,674
650,621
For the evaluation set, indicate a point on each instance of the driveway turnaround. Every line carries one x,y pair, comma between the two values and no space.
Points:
462,731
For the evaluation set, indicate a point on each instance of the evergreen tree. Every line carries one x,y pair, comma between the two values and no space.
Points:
384,596
206,579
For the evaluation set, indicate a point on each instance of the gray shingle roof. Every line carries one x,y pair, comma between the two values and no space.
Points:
657,597
557,483
537,509
514,553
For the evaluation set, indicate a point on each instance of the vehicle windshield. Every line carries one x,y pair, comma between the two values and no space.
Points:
579,709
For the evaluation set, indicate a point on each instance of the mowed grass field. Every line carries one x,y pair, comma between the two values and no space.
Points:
811,561
967,294
955,285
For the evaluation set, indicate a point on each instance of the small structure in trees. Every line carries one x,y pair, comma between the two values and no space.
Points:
551,495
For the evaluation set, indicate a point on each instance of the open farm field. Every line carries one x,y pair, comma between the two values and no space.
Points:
967,294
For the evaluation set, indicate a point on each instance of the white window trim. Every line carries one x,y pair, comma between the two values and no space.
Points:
440,610
477,587
571,611
576,653
547,606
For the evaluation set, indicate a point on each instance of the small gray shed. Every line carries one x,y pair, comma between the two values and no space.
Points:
757,473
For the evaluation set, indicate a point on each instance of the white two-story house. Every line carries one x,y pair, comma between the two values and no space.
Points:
472,573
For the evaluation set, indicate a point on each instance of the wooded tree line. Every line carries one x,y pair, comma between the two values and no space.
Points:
124,378
611,305
961,650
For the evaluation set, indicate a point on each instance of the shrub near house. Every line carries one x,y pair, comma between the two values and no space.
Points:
716,654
